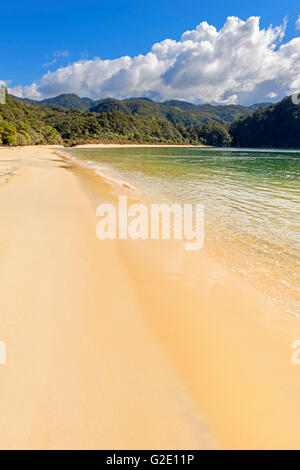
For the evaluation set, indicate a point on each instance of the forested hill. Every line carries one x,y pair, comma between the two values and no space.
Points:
30,123
175,111
23,123
70,100
276,126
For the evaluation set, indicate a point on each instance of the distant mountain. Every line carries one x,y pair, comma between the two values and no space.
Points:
277,125
256,106
140,120
31,123
111,105
180,104
24,100
138,98
69,100
175,111
66,100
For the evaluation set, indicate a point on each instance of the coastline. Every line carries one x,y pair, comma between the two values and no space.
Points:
101,362
102,146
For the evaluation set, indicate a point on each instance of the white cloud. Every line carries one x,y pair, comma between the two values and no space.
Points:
298,23
61,53
240,63
55,57
5,82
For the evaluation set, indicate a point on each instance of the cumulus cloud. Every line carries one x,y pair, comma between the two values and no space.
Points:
298,23
240,63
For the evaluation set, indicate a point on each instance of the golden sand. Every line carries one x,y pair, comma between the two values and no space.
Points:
126,344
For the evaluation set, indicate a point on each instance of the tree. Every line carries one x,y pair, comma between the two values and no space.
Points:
8,133
51,135
209,133
275,126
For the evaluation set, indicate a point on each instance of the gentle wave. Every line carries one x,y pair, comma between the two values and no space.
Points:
251,198
100,171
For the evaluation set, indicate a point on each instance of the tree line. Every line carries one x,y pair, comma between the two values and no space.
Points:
29,124
23,123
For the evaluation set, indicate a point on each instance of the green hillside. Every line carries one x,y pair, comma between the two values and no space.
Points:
146,108
69,100
175,111
276,126
23,124
143,120
30,123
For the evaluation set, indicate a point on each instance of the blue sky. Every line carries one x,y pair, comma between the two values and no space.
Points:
40,36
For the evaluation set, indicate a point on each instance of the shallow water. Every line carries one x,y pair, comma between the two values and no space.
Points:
251,198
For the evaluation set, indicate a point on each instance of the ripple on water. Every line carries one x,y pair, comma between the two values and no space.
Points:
251,198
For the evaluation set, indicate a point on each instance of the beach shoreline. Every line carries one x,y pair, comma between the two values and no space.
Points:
95,360
133,145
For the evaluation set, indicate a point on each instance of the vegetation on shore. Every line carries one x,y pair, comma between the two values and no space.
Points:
25,124
30,123
276,126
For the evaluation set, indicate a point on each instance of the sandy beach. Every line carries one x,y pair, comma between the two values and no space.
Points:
128,344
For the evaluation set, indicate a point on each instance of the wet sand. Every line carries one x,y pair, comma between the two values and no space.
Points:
128,344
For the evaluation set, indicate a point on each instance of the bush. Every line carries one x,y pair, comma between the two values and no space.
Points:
51,135
8,133
209,133
36,138
21,140
24,137
215,134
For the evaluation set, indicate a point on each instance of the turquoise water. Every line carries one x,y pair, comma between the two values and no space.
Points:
251,198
